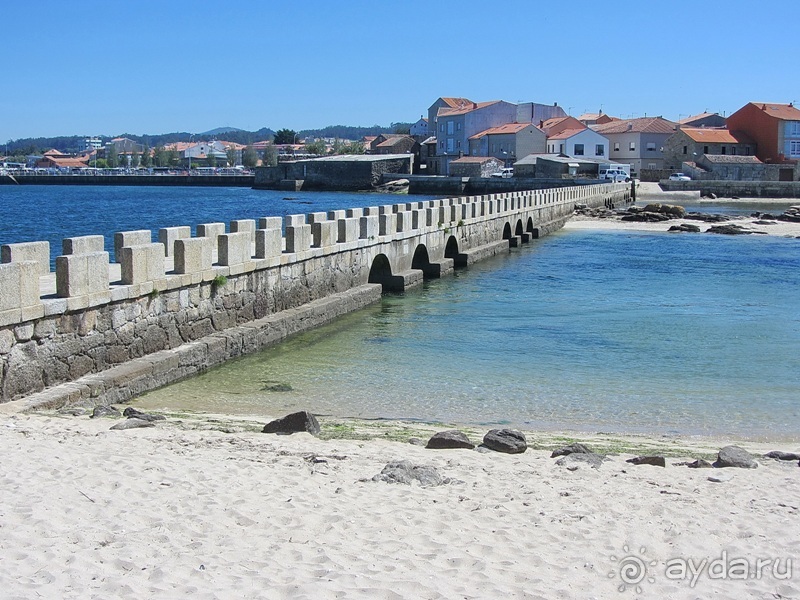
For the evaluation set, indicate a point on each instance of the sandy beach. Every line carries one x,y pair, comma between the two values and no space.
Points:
209,507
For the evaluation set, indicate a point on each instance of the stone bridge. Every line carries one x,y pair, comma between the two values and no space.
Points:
97,331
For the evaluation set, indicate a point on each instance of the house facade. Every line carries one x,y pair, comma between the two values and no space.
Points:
775,128
637,142
420,128
507,142
690,143
581,143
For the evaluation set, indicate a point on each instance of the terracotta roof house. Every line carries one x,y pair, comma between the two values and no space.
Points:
690,143
507,142
637,142
775,128
555,126
578,142
56,160
397,144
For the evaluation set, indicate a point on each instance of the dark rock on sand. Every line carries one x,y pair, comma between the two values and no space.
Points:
685,227
779,455
132,413
734,456
404,471
415,441
700,463
293,423
104,410
656,461
449,439
509,441
574,448
132,423
729,230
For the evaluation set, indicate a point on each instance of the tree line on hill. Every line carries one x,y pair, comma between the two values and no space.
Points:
71,144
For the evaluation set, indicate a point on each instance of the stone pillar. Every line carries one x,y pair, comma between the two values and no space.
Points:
298,238
83,244
86,274
130,238
245,226
294,220
269,243
270,223
335,215
324,233
168,235
193,255
369,227
388,224
141,263
19,300
317,217
38,252
212,231
348,230
354,213
234,248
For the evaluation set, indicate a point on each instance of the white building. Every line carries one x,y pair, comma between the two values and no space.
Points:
578,143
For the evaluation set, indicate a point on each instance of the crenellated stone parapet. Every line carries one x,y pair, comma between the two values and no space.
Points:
93,315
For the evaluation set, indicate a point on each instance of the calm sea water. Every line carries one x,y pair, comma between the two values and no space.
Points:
589,331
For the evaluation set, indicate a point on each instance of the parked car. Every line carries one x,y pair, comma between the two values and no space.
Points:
615,175
679,177
505,173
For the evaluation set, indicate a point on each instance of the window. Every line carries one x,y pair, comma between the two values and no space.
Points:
441,144
686,150
747,150
651,146
600,150
632,147
733,150
450,144
652,166
722,150
449,128
616,146
458,126
494,147
705,149
458,144
578,149
793,128
794,148
441,127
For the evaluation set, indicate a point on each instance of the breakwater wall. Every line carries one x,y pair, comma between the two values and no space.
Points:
740,189
100,331
440,184
149,180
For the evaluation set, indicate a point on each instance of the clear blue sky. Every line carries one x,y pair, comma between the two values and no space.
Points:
90,67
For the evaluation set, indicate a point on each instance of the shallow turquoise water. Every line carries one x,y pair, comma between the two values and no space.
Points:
592,331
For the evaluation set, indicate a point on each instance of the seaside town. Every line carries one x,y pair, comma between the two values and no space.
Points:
459,137
277,321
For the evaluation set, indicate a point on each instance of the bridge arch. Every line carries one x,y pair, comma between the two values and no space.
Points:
381,272
519,230
529,227
507,231
451,249
421,260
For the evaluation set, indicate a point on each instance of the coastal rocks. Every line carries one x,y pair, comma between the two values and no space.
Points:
653,213
132,423
729,230
509,441
580,459
779,455
105,410
791,214
700,463
734,456
404,471
574,448
706,217
656,461
646,217
398,186
293,423
720,478
448,440
685,228
132,413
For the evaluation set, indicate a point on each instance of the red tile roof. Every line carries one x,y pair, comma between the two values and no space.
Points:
640,125
702,115
465,109
457,102
567,133
502,129
716,136
785,112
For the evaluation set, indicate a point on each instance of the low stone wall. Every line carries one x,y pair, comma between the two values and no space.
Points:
94,317
147,180
741,189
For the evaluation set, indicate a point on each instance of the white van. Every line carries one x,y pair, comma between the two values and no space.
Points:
615,175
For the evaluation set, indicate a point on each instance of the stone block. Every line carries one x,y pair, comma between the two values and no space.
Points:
298,238
354,213
193,255
84,244
403,220
142,263
19,282
371,211
295,220
168,235
270,223
211,230
417,219
430,217
130,238
324,233
38,252
82,274
386,209
369,227
234,248
335,215
269,243
317,217
245,225
348,230
388,224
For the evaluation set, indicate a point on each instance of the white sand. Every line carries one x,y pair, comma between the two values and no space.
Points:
175,512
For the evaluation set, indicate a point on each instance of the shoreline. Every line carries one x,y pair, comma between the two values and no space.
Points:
199,508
